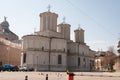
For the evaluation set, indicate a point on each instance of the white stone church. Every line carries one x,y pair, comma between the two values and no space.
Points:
51,49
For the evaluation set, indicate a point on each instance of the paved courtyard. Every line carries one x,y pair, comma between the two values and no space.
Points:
59,76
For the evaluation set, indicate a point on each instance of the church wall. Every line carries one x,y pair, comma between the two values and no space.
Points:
82,52
72,57
54,59
54,62
87,57
52,48
50,34
72,47
58,44
71,61
55,47
37,59
37,48
35,42
58,47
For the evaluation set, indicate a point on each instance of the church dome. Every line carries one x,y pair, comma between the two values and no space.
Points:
5,23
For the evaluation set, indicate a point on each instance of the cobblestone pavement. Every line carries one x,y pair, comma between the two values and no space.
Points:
59,76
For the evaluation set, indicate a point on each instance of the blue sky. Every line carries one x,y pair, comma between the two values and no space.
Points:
99,18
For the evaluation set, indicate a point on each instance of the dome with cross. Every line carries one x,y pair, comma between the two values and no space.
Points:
4,23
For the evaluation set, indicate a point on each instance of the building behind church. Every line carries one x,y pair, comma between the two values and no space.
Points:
10,47
51,49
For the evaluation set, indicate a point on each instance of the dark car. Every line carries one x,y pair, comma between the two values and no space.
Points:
7,67
15,68
1,68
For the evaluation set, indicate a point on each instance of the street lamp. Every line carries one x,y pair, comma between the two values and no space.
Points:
37,64
8,55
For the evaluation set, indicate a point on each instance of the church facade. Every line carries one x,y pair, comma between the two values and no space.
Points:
51,49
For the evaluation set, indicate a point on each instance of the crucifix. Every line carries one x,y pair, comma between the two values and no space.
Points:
64,18
5,18
79,27
49,7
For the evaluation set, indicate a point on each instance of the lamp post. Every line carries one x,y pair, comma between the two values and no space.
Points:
37,64
8,56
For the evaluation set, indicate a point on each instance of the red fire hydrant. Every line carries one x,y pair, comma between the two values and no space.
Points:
71,75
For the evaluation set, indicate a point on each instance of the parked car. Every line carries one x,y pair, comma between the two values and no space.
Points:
1,68
26,68
15,68
7,67
21,68
30,68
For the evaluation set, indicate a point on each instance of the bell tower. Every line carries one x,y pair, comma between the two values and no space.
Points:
48,21
64,29
79,35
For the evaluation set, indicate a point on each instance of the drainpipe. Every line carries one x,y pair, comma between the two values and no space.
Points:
49,53
76,56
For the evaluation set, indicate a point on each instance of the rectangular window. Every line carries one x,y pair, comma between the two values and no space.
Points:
78,61
59,59
24,57
68,51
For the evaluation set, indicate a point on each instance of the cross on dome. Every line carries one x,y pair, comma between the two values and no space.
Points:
5,18
64,18
79,27
49,7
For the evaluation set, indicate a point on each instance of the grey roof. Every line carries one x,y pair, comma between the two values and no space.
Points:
4,24
9,32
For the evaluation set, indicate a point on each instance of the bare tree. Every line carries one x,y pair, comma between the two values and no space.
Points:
111,49
108,60
118,47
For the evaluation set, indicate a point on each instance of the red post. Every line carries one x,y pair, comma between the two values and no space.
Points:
71,75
